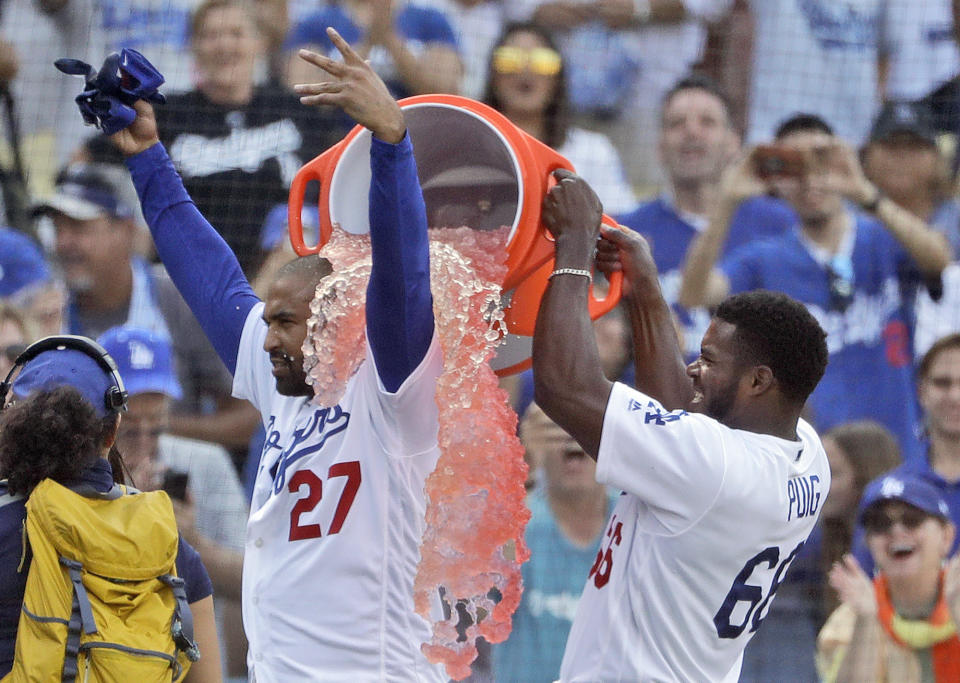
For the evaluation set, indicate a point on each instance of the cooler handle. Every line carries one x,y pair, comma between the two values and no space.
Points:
315,169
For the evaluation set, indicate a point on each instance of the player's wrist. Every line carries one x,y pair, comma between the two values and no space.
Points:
574,251
144,146
392,132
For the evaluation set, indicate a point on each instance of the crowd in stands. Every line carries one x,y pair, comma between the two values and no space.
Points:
804,146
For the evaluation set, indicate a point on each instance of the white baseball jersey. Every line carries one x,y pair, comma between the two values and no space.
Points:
708,523
335,525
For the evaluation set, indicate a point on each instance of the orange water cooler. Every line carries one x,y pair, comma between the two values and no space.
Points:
476,168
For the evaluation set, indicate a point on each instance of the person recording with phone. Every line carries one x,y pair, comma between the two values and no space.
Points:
855,258
198,476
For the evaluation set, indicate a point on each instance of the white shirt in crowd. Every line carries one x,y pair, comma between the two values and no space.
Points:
597,161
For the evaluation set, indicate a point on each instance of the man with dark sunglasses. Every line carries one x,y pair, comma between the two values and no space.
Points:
901,625
855,258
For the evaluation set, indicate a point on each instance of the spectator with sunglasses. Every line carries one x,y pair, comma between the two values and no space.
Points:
855,258
901,626
526,83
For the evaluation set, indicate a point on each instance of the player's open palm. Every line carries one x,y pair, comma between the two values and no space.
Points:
355,88
853,586
139,135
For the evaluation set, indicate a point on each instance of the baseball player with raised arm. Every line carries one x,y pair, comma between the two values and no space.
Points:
722,481
338,506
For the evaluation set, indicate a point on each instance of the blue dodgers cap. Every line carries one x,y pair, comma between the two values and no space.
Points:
144,360
905,488
87,191
61,367
22,264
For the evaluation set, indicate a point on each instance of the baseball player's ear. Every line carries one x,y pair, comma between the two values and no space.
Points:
762,379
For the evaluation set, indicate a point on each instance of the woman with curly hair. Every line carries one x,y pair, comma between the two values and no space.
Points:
59,421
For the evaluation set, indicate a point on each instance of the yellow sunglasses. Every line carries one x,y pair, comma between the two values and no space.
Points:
542,61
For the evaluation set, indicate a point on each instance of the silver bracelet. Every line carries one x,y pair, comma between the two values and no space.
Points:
572,271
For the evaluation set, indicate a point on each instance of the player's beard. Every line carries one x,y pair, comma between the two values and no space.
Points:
294,381
718,405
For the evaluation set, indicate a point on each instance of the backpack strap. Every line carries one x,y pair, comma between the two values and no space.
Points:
80,618
182,627
89,491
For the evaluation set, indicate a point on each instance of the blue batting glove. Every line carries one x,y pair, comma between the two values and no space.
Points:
108,96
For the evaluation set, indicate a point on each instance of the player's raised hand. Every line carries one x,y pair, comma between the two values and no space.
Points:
572,210
139,135
356,88
627,251
853,586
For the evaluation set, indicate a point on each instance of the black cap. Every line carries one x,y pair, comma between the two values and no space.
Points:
87,191
912,118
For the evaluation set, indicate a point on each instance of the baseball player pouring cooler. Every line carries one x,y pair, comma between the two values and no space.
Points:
722,481
337,510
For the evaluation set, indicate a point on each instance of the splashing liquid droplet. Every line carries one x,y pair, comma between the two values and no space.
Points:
472,545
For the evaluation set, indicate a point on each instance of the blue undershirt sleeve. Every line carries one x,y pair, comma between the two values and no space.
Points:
199,262
399,302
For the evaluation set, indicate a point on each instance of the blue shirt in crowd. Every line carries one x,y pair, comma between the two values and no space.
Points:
869,374
553,580
670,234
417,26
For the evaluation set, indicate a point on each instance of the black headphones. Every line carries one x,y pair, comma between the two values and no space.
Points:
115,398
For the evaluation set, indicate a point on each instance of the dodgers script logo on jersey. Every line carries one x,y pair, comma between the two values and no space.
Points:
322,424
